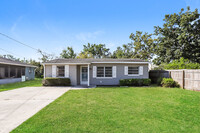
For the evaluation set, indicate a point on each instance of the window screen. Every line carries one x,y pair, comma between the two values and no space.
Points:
133,70
23,71
13,72
2,72
100,71
104,71
19,73
60,71
108,71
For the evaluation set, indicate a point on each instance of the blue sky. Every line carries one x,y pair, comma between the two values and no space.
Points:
53,25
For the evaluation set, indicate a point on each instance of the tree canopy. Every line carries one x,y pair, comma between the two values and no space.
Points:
143,45
68,53
126,51
94,51
179,37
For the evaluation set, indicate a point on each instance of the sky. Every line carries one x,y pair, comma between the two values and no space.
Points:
52,25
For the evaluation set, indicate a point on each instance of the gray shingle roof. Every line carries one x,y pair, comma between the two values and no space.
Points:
12,62
92,60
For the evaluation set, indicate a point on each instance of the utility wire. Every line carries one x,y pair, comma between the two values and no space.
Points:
18,41
38,50
10,52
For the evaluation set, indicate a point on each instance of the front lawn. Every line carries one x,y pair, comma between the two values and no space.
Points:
118,110
30,83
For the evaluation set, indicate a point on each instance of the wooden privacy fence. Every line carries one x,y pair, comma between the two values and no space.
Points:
188,79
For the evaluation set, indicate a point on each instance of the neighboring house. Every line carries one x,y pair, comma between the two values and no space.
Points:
12,71
96,71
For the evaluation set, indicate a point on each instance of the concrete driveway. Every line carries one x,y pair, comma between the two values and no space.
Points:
18,105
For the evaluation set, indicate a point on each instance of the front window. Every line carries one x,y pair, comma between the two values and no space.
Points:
23,71
104,71
133,70
108,71
19,72
100,71
7,71
2,72
60,71
13,72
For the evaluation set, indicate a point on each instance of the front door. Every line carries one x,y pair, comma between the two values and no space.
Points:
84,75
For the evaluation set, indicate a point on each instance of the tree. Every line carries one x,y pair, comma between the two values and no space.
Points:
84,55
96,50
11,57
182,64
39,70
125,52
45,57
143,45
179,37
68,53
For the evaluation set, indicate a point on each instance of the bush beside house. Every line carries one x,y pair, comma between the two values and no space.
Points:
135,82
56,82
169,82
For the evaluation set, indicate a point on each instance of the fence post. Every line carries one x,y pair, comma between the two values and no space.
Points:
183,79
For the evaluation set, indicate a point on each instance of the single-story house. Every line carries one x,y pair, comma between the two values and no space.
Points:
96,71
13,71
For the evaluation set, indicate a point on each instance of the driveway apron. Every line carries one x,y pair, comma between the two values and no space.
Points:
17,105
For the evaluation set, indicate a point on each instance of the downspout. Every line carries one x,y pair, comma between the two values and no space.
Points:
88,75
44,71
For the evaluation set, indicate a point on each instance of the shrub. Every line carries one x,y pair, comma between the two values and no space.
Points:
56,82
135,82
159,81
182,64
146,82
169,82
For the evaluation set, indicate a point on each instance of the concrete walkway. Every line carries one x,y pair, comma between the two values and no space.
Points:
17,105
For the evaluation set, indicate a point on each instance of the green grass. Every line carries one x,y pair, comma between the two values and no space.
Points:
30,83
119,110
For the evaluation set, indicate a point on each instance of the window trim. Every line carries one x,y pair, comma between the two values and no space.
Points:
104,69
134,74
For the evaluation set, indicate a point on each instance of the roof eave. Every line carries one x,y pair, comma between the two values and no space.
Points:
124,62
95,63
65,63
15,64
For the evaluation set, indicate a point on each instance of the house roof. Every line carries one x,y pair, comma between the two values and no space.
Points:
12,62
89,61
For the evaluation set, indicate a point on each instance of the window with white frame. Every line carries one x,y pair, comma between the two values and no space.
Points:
60,71
133,70
108,71
104,71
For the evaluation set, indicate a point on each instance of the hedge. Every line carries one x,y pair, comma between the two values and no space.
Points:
169,82
56,82
135,82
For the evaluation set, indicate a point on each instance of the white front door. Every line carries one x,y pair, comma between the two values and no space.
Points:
84,75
